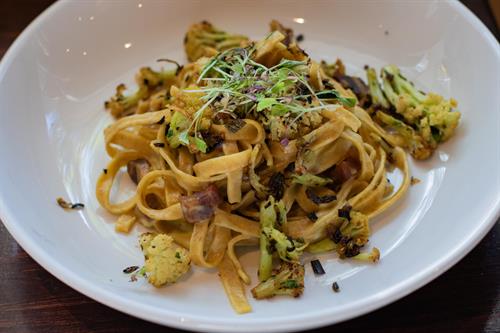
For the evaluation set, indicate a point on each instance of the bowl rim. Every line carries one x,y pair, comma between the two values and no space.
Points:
193,322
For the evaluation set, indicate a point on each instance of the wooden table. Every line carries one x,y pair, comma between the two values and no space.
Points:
464,299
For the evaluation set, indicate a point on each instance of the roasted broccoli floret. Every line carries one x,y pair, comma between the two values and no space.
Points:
153,78
204,40
418,147
147,80
288,249
287,280
441,120
333,69
337,71
429,117
165,261
267,220
272,239
178,124
352,234
120,103
376,93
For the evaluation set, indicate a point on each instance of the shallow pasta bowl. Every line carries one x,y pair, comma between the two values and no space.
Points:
56,76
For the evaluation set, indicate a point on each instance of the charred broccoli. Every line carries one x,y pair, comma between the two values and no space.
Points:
288,249
204,40
376,93
178,124
417,145
267,220
288,280
352,234
423,120
272,239
120,103
147,80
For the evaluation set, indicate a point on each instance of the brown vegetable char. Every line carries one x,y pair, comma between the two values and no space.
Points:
277,185
319,199
213,141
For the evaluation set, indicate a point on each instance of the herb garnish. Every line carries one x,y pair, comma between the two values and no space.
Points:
232,82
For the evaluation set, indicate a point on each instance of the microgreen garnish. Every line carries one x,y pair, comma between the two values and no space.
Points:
234,83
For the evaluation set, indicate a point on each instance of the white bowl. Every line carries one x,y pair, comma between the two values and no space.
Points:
57,74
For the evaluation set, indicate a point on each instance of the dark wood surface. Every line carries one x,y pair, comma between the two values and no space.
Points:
464,299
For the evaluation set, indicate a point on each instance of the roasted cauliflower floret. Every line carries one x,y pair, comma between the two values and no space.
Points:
165,261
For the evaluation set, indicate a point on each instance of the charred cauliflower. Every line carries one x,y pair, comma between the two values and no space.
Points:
165,261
